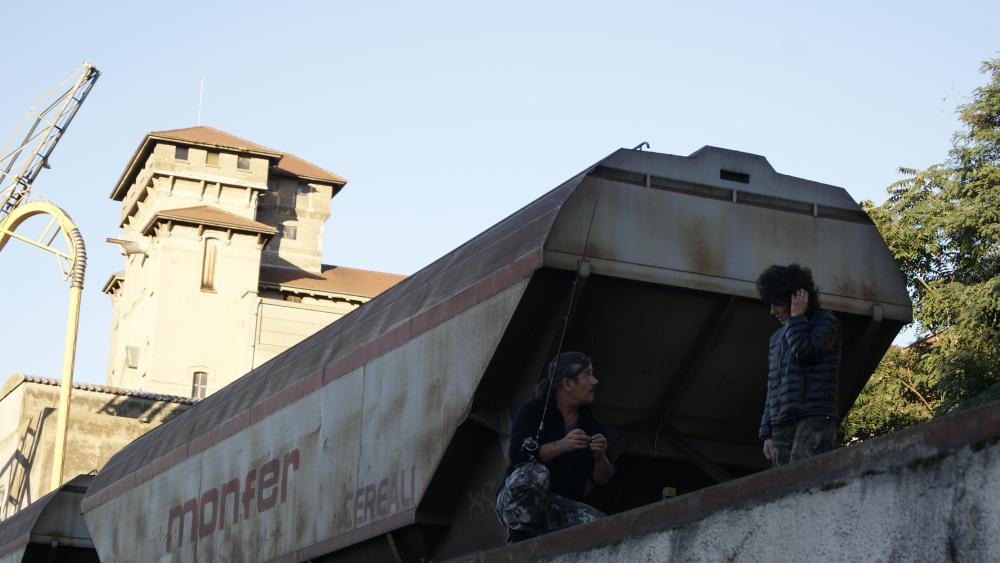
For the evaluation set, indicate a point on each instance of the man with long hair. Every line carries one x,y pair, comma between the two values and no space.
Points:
556,445
800,413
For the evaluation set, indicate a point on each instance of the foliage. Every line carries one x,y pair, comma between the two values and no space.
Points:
899,394
943,226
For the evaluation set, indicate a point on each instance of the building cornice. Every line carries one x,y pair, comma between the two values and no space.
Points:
318,293
207,216
114,283
284,164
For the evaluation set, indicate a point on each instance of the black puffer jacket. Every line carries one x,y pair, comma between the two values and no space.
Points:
803,370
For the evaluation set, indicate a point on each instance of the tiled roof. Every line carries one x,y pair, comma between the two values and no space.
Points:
211,216
18,378
213,137
334,279
287,163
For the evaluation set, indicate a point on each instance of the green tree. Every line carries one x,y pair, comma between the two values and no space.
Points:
943,226
900,393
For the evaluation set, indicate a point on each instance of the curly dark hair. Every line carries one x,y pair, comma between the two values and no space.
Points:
777,284
566,365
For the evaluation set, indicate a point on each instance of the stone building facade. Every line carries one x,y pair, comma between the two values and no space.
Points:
223,242
102,420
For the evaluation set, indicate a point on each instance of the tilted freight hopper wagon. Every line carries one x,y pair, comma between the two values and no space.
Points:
384,434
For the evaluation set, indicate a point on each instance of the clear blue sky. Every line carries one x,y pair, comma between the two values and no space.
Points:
446,117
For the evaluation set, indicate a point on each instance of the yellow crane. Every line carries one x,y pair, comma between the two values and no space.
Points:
20,164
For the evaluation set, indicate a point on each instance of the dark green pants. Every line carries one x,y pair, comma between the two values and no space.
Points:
802,438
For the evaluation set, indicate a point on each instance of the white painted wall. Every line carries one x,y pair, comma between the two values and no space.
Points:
944,509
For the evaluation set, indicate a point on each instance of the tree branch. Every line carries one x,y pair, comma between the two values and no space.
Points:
913,389
923,283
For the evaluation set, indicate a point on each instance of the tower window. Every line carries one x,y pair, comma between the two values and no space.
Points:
243,162
212,158
273,192
302,192
288,231
132,356
199,385
208,266
734,176
180,153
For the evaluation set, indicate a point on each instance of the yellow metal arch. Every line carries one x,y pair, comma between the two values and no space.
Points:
74,265
72,262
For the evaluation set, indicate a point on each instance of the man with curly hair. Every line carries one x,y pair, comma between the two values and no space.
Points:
800,413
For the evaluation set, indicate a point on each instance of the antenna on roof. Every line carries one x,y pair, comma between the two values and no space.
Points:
201,90
640,145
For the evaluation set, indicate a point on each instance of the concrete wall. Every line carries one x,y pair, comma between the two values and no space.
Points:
305,206
100,424
18,451
179,328
153,308
925,494
172,326
945,511
167,183
283,324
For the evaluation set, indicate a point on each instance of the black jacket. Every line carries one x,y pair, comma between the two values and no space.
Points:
570,471
803,370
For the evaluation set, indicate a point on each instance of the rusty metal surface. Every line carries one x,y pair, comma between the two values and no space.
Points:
158,469
695,240
340,464
54,516
923,444
498,247
356,420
